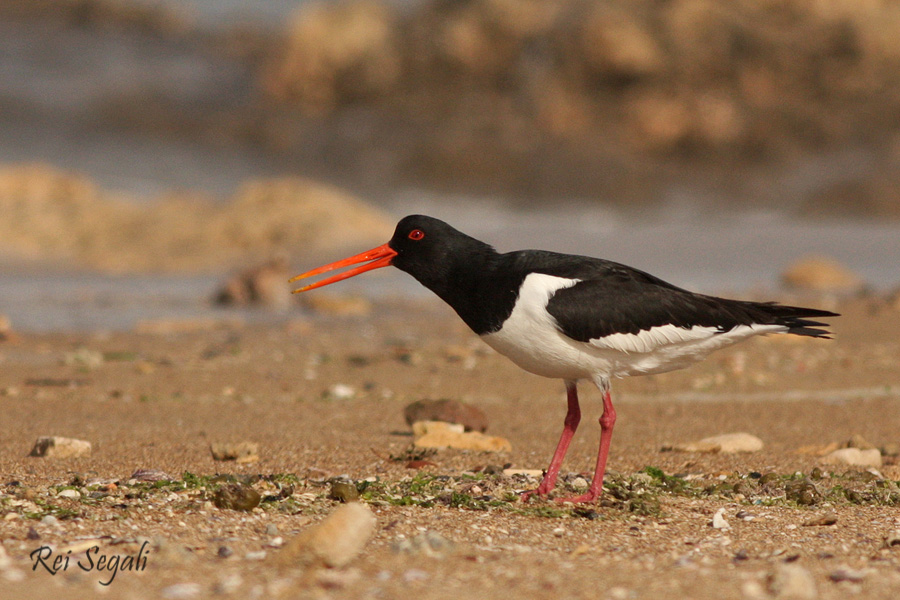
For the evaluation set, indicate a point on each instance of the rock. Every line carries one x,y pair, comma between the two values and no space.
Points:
70,493
726,443
821,274
825,519
241,452
718,520
60,447
264,284
616,43
334,542
181,591
345,491
854,457
336,52
150,475
437,434
848,574
533,473
792,582
429,543
448,411
892,540
236,497
84,357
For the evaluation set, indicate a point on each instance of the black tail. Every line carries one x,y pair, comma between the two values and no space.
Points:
795,318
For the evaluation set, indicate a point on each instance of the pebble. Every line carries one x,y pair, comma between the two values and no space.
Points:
60,447
854,457
150,475
345,491
436,434
429,543
181,591
718,520
240,452
334,542
892,540
340,391
50,521
824,519
792,582
272,530
848,574
448,411
236,496
414,575
70,493
224,552
726,443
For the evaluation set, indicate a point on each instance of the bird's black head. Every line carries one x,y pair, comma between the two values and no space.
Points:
435,253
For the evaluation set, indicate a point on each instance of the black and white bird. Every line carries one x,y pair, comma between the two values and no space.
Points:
572,317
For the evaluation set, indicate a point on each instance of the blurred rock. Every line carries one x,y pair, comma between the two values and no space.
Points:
448,411
236,496
726,443
6,332
334,542
437,434
792,582
853,456
616,42
241,452
336,52
265,284
51,214
60,447
821,274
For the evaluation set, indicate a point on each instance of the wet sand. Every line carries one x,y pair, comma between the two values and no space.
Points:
156,400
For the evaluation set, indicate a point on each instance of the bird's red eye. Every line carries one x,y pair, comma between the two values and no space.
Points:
416,235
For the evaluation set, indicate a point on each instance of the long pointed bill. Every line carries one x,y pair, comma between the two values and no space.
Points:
377,257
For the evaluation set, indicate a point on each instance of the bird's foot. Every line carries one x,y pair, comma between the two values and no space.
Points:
584,498
541,491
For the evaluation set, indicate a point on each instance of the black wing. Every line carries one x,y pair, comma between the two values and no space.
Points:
613,298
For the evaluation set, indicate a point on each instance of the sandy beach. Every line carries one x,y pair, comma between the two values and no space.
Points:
323,397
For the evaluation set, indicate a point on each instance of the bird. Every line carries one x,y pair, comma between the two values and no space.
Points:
571,317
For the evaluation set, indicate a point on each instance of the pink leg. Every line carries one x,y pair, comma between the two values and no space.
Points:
607,422
570,424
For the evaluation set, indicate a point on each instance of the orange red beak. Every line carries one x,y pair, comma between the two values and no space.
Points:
374,259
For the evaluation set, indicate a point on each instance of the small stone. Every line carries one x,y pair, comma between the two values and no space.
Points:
436,434
448,411
334,542
854,457
345,491
825,519
272,530
32,534
340,391
70,493
532,473
236,496
150,475
429,543
181,591
848,574
258,555
224,552
50,521
726,443
718,520
414,575
892,540
264,284
60,447
84,357
241,452
792,582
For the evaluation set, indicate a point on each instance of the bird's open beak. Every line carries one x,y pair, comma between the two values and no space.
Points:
376,257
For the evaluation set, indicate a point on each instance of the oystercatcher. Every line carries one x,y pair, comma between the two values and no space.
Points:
572,317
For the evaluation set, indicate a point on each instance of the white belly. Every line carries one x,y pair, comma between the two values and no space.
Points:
531,338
